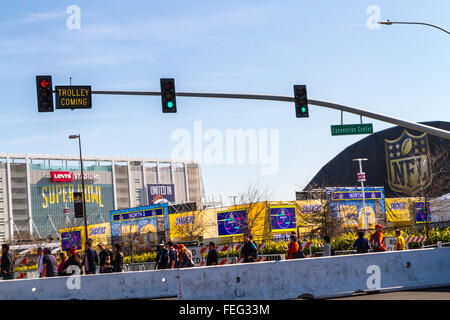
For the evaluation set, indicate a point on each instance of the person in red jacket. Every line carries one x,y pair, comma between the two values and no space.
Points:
377,239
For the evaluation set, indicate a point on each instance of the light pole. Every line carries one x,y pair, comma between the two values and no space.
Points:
366,220
388,23
77,136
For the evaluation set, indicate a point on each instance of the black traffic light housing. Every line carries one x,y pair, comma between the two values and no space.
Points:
169,104
44,93
301,101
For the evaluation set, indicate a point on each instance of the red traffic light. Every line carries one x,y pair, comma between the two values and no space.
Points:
44,83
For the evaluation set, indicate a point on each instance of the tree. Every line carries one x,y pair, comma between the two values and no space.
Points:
254,202
192,225
321,219
432,180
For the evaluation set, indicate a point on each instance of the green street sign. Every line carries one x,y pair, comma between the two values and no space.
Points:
346,129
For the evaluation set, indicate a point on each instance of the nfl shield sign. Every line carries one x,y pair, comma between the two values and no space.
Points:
407,160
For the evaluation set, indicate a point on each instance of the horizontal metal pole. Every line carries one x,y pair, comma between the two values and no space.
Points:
368,114
419,23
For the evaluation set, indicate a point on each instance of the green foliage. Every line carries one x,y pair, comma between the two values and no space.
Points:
140,258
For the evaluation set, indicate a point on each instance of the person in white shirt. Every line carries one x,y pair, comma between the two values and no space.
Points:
327,247
40,265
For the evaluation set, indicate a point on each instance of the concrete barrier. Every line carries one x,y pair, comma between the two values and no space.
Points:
284,279
123,285
319,277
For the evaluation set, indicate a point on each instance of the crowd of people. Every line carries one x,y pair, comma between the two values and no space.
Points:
170,255
362,245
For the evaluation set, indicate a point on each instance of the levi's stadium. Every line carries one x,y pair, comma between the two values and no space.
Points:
36,190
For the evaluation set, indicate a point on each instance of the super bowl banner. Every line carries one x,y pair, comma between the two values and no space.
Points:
74,236
232,223
139,221
347,203
423,213
282,218
161,193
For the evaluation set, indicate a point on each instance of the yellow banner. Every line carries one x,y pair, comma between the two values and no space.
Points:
400,209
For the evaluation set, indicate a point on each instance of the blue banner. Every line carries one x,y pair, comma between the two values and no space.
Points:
232,223
421,212
161,193
282,218
139,220
347,204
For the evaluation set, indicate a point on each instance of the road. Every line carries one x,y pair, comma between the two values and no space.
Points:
422,294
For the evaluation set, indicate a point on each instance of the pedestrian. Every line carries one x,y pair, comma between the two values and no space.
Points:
213,257
295,250
400,241
117,262
376,240
40,266
74,259
90,258
248,251
361,244
185,260
62,261
172,255
162,257
326,247
50,269
7,265
106,257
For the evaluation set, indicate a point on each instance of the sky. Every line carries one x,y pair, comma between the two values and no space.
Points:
258,47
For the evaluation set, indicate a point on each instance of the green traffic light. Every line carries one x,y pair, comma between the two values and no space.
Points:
303,109
170,104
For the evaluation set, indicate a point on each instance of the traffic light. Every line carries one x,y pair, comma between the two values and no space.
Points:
44,93
169,104
301,101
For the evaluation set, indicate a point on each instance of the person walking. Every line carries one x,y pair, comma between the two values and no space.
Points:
295,250
50,268
62,261
400,241
377,239
117,263
185,260
213,257
74,259
172,255
361,244
7,265
91,259
106,257
40,266
248,251
162,257
326,250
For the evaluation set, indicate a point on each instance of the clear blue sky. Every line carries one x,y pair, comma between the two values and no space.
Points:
220,46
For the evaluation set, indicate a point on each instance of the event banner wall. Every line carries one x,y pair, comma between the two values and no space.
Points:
193,223
139,221
347,203
74,236
161,193
400,210
52,192
283,218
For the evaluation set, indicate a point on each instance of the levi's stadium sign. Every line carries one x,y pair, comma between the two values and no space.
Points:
61,176
73,97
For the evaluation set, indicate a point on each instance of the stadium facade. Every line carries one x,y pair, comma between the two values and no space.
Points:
36,190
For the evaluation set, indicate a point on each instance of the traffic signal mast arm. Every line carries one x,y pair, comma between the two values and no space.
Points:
368,114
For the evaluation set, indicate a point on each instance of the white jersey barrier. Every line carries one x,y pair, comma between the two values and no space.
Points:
321,277
123,285
286,279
